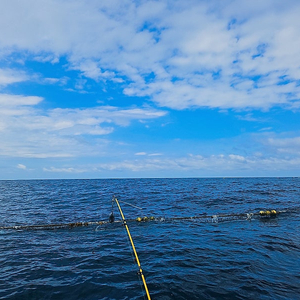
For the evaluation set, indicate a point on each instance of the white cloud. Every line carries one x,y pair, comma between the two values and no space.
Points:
140,153
197,53
92,69
29,131
236,54
9,101
145,153
61,81
64,170
272,155
234,157
20,166
285,145
195,165
155,154
9,76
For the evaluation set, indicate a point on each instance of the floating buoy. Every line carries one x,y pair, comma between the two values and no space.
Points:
268,213
144,219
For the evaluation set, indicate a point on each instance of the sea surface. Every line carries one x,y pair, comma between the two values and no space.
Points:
181,259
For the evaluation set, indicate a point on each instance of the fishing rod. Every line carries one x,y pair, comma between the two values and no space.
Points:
111,218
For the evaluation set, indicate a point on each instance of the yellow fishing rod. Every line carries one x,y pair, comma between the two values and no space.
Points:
132,245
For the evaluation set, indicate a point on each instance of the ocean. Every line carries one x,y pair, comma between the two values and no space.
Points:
203,258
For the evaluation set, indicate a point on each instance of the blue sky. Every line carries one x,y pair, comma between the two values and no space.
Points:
119,88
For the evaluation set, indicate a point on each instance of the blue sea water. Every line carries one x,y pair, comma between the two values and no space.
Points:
181,259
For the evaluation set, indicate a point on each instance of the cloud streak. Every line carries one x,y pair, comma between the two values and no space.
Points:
192,165
29,131
10,76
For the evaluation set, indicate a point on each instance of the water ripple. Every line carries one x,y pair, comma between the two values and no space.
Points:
256,259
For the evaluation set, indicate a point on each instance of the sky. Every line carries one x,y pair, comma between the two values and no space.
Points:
168,88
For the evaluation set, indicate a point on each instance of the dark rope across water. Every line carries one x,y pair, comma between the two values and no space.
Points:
267,214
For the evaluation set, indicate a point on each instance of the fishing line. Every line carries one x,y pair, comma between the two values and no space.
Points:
130,204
